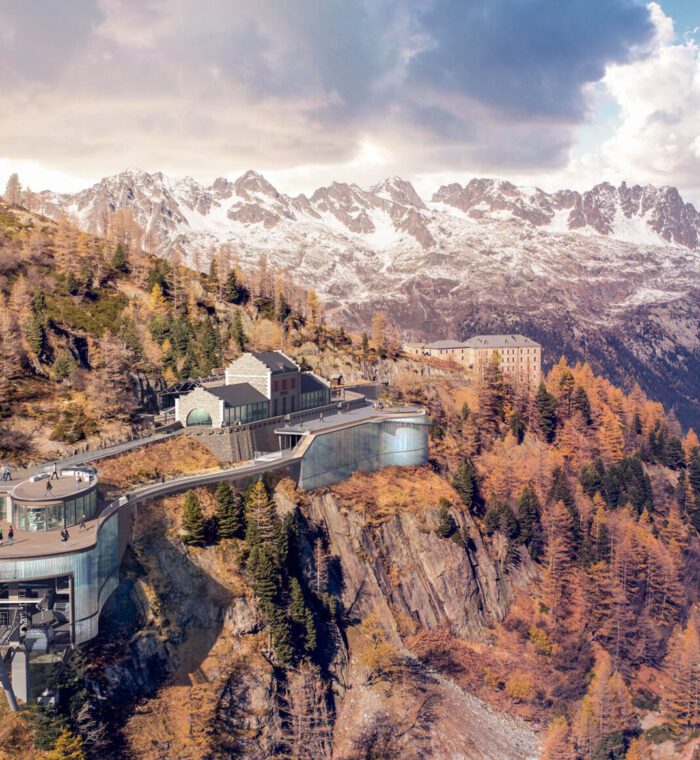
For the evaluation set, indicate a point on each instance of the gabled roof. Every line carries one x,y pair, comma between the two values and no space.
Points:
276,361
500,341
237,394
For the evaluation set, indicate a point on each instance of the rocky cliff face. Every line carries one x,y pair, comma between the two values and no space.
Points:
611,273
183,640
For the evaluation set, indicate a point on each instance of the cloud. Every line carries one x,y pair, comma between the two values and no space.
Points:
658,137
202,86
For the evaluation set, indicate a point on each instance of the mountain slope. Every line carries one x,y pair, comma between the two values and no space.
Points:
611,273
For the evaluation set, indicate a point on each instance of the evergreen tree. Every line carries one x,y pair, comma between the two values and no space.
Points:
546,410
297,606
465,412
119,259
466,483
260,515
365,345
229,511
281,638
517,426
491,394
531,533
264,577
582,405
446,523
232,288
37,339
237,332
311,638
193,523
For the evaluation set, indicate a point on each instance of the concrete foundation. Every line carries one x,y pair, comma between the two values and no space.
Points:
20,675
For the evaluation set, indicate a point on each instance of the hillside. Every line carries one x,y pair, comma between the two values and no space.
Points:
92,329
620,265
532,591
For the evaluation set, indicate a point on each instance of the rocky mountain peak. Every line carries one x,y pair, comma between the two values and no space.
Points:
399,191
251,184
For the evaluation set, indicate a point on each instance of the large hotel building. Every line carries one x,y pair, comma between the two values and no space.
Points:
520,357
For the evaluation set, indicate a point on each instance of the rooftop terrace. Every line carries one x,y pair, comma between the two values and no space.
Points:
35,489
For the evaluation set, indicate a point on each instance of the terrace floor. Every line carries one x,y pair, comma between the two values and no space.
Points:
31,544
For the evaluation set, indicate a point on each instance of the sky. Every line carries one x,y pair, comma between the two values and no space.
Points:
558,94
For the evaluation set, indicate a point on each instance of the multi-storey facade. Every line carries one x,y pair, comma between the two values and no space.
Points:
520,358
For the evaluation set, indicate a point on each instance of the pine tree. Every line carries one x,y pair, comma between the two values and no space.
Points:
582,405
229,511
158,302
446,523
10,352
681,702
319,580
237,332
13,191
379,332
556,744
260,515
193,523
68,747
297,606
559,556
119,260
491,395
610,437
264,577
466,483
281,638
35,332
311,638
546,410
530,526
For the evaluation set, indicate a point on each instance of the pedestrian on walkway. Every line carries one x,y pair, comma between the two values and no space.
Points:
54,472
82,522
1,537
49,487
321,417
11,535
64,535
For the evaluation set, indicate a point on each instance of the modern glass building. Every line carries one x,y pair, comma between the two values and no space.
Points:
366,446
45,503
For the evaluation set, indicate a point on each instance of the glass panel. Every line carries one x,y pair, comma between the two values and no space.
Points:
54,517
198,417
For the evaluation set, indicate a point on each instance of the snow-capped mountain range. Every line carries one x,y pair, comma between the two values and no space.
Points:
611,273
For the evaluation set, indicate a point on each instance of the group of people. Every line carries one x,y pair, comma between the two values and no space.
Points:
10,536
6,472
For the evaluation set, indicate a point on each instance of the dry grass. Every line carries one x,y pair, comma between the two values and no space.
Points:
380,495
176,456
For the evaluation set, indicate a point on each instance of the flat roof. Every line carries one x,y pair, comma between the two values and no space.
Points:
61,489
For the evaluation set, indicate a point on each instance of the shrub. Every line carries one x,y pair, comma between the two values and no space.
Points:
520,687
540,640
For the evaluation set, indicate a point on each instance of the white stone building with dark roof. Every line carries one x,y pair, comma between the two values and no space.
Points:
256,386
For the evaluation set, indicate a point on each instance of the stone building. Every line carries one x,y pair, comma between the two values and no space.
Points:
256,386
520,357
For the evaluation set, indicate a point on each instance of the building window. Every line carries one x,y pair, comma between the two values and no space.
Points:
198,417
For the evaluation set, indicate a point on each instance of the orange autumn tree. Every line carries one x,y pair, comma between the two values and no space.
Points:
681,702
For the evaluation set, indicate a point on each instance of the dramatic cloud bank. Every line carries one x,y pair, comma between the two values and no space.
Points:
313,90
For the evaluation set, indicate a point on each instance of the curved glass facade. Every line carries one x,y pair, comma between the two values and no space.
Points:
198,417
370,446
31,516
95,575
